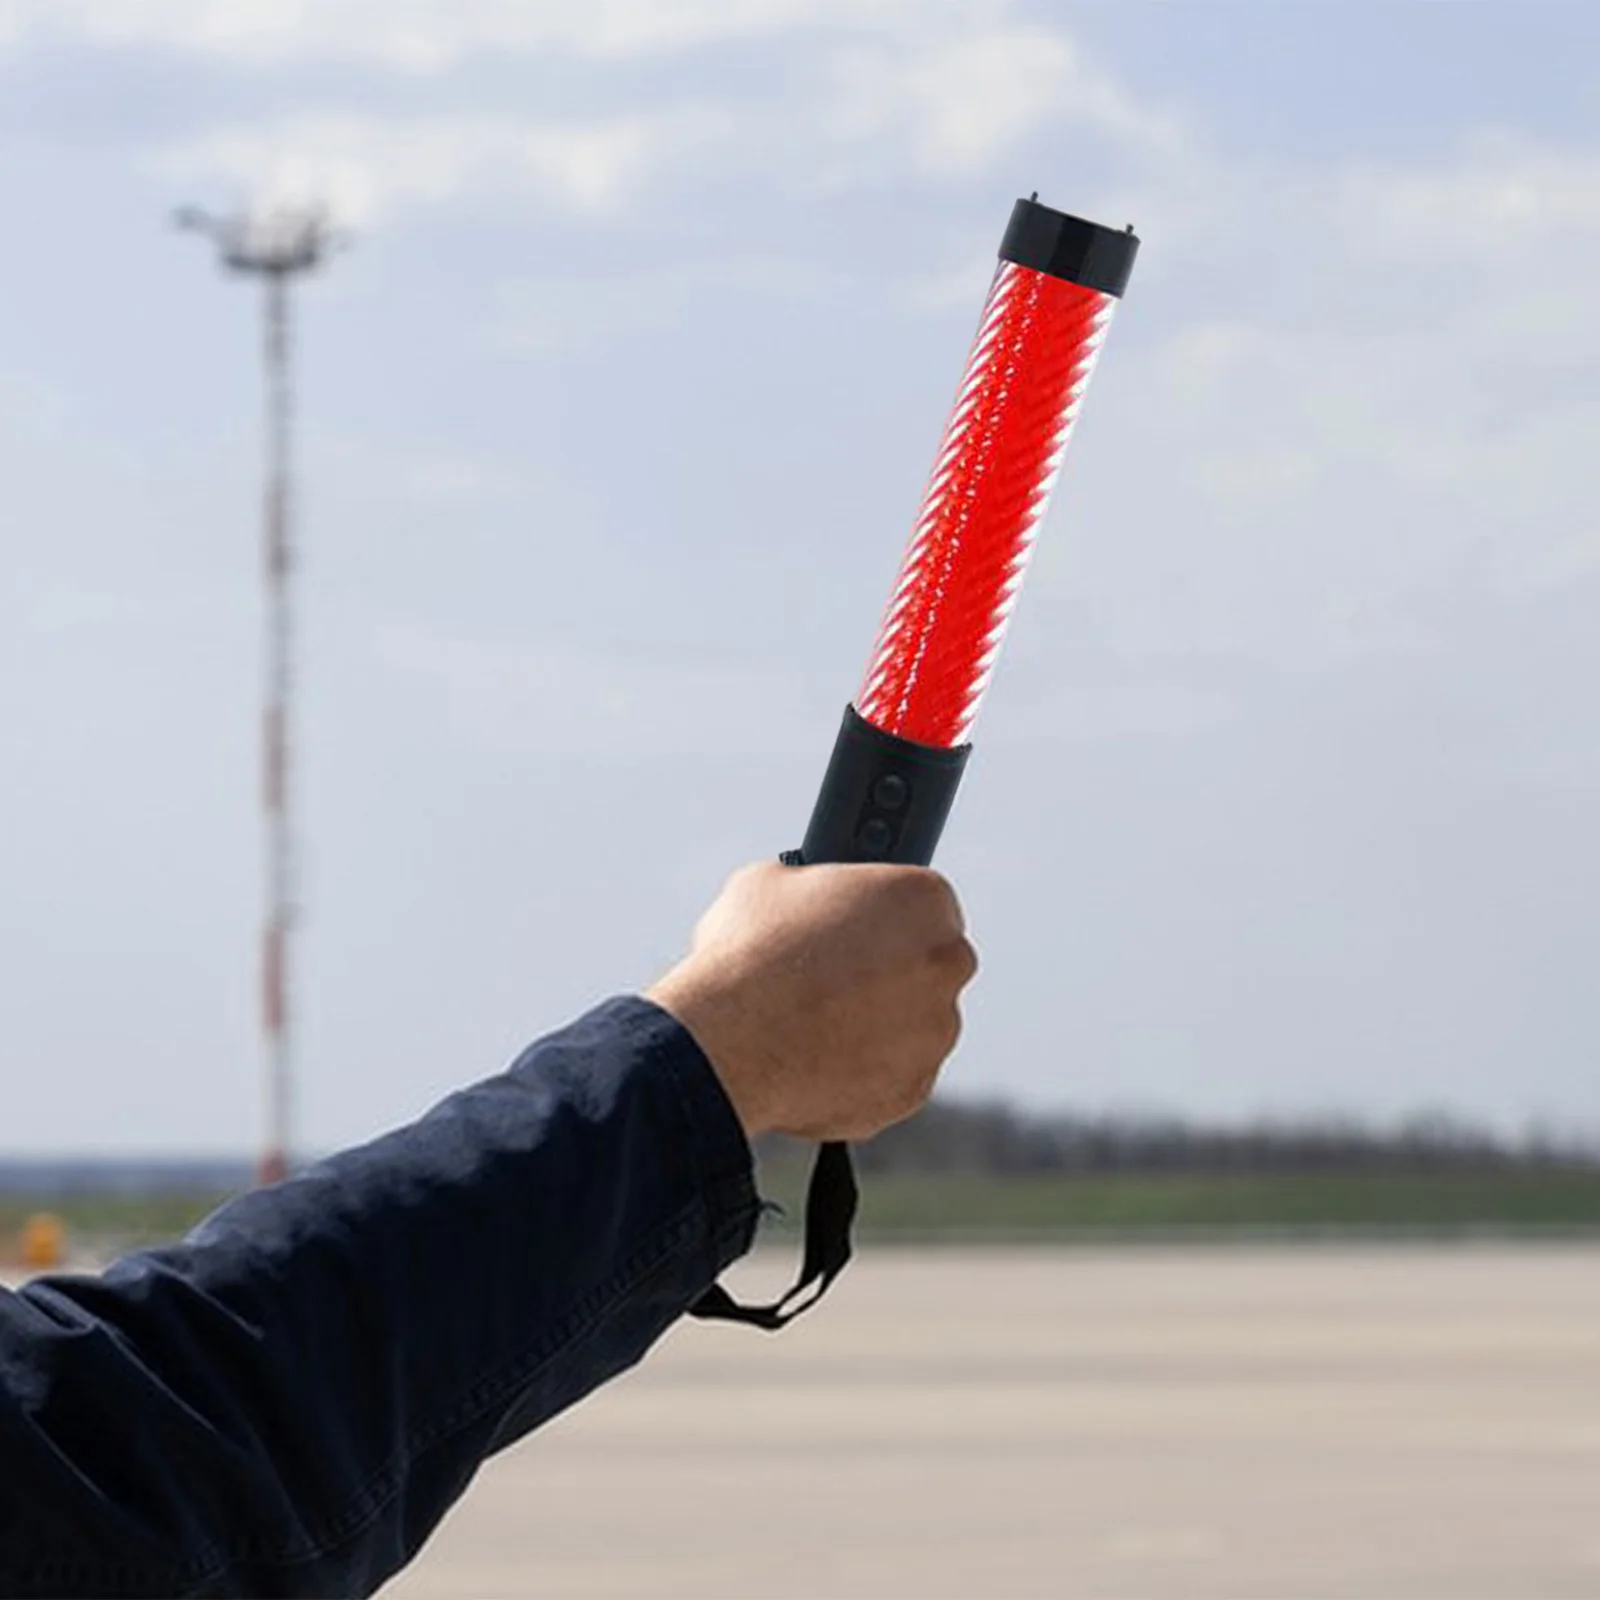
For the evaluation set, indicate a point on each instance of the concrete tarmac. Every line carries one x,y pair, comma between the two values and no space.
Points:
1391,1422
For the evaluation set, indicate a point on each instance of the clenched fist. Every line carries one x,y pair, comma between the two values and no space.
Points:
825,997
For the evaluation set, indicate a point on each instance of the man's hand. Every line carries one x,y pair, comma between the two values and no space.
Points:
825,997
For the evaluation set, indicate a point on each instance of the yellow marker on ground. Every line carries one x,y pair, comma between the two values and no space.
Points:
44,1237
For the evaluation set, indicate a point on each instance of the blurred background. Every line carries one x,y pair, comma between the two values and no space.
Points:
1279,841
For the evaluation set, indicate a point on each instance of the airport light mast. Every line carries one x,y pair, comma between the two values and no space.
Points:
276,246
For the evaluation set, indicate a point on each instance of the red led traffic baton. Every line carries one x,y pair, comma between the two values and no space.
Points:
901,751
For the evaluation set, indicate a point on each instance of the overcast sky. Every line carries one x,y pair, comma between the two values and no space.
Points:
1285,798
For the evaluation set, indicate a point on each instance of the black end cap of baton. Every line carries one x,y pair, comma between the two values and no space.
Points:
1068,247
883,798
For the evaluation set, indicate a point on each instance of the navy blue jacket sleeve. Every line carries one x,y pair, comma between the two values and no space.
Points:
287,1402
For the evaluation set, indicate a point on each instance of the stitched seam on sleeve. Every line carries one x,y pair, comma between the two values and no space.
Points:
369,1502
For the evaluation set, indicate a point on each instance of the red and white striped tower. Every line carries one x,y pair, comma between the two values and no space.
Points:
275,246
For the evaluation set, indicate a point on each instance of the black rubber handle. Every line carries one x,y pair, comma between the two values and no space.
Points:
883,798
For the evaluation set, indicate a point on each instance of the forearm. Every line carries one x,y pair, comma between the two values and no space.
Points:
288,1402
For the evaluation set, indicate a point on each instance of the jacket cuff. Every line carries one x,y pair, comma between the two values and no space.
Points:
715,1142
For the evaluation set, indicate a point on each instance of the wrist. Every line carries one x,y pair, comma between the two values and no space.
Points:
710,1017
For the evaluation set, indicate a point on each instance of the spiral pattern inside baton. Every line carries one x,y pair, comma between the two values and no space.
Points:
1001,454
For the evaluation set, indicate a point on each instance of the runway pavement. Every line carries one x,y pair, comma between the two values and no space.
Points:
1399,1422
1329,1420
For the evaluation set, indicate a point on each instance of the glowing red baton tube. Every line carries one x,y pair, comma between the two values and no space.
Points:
902,748
899,756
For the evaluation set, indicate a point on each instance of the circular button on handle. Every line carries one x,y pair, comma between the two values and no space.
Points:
891,791
874,837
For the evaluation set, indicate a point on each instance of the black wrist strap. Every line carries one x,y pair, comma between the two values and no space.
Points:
831,1201
830,1209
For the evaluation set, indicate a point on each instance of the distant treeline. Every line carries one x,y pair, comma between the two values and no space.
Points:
998,1139
111,1177
992,1171
985,1138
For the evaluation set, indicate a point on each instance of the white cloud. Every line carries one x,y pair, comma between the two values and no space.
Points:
1502,197
1386,459
426,36
849,90
1394,381
364,166
956,99
1342,437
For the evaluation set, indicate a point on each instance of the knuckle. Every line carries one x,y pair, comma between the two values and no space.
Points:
914,1088
908,884
969,961
928,896
958,913
955,962
945,903
964,958
941,1032
952,1029
924,1087
751,873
